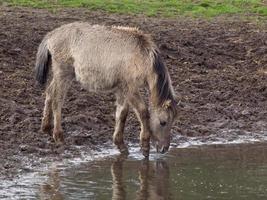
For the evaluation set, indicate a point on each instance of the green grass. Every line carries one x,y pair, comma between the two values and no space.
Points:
166,8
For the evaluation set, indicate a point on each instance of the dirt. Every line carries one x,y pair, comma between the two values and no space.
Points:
218,68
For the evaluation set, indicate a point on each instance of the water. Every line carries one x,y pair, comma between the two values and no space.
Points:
233,171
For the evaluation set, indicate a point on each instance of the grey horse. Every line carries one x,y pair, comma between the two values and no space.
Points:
103,59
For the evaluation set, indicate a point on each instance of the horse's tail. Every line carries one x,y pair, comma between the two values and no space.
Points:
43,60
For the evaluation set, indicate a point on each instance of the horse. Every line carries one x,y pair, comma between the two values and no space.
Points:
108,59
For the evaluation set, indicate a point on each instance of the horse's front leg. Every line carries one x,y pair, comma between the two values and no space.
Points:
121,115
142,113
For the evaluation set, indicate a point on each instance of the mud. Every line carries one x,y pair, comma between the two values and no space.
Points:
218,69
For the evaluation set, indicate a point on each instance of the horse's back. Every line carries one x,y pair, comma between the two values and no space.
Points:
103,57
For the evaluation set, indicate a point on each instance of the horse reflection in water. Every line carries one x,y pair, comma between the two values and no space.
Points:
51,189
154,181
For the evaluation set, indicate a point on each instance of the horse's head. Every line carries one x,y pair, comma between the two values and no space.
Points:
161,120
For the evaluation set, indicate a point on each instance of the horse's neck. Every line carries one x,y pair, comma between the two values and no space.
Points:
153,88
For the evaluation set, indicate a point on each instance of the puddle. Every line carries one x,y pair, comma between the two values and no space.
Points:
195,169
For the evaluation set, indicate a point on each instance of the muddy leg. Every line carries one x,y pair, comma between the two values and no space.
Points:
143,116
63,75
47,114
121,115
60,87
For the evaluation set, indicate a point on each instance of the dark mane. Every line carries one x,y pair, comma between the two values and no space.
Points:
163,85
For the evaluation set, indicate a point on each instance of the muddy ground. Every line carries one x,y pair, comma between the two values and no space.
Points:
218,68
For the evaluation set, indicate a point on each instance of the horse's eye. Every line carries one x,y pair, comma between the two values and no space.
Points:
163,123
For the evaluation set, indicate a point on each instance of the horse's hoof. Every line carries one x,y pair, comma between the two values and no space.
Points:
58,138
121,146
145,147
145,151
46,129
121,157
123,149
124,153
59,142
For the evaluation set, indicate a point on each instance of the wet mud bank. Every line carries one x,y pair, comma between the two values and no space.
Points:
218,69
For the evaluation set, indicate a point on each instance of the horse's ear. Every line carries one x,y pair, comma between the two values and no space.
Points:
167,104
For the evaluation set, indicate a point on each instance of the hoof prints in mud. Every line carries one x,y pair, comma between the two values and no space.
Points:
218,68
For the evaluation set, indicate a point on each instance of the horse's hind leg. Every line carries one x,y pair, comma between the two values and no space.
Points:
121,115
47,114
60,90
62,78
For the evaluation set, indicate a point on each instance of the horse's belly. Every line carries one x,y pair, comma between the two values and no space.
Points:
95,80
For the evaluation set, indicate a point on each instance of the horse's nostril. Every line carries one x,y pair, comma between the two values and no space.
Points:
163,123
